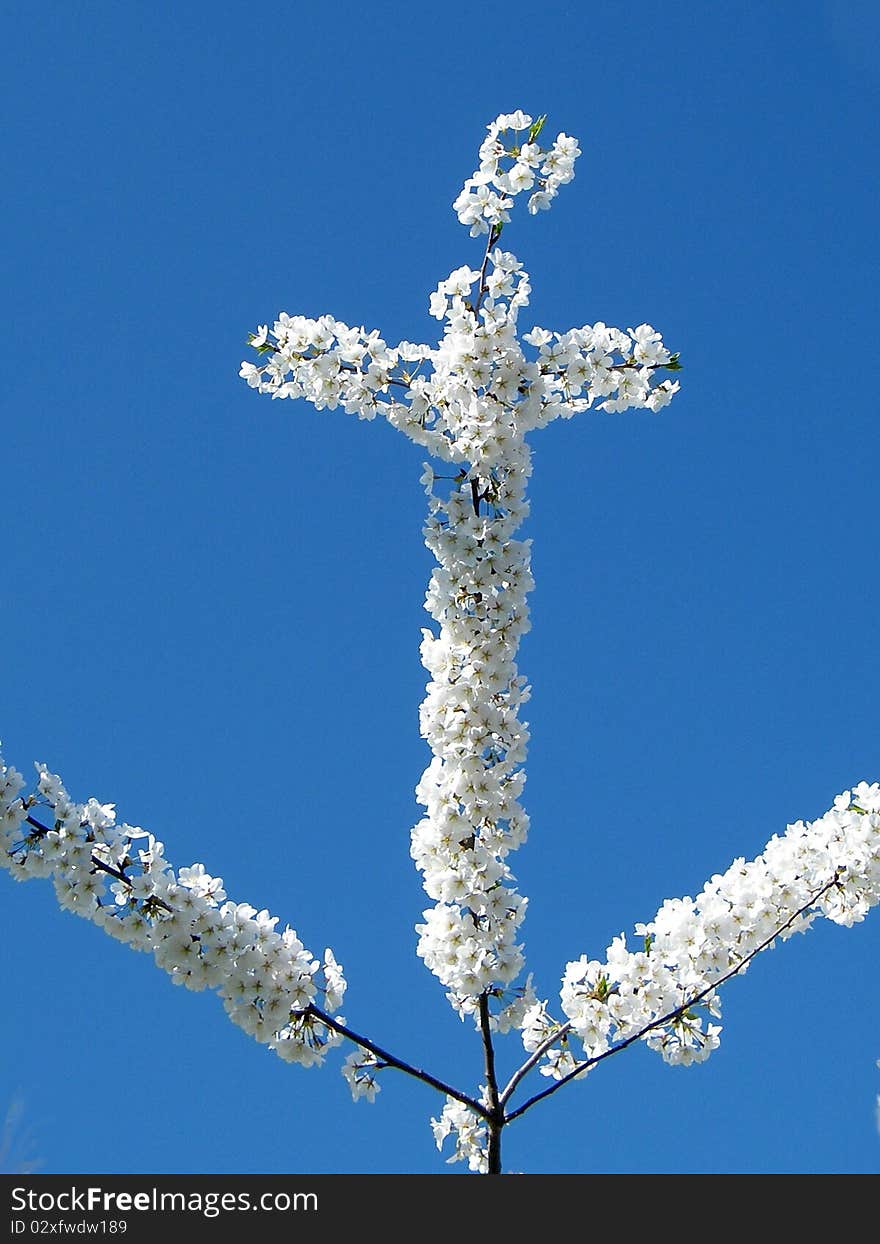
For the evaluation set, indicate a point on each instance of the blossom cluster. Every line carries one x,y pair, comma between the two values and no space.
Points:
468,1132
473,397
665,988
471,401
359,1071
116,875
470,719
504,172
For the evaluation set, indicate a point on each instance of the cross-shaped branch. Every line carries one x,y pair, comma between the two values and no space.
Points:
471,402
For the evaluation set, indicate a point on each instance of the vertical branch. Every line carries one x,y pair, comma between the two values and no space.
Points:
482,287
495,1119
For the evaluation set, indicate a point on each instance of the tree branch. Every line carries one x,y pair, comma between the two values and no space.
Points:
389,1059
482,287
530,1062
495,1120
99,863
671,1015
392,1061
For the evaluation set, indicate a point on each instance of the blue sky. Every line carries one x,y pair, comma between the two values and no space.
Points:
213,602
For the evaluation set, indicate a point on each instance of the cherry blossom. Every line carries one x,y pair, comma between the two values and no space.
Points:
470,403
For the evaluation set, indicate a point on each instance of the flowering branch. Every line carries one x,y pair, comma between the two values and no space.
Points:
471,401
97,863
670,1017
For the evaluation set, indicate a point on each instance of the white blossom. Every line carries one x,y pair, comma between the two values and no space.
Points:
266,980
471,402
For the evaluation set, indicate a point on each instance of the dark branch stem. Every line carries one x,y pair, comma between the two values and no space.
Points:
670,1015
392,1061
495,1120
482,288
475,496
99,864
488,1051
350,367
558,372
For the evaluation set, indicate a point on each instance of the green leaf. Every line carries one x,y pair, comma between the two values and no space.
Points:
673,364
537,126
264,348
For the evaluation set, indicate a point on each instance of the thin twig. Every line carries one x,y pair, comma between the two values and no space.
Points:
530,1062
482,287
392,1061
100,864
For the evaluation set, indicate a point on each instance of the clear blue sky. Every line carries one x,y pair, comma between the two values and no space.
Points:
212,602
